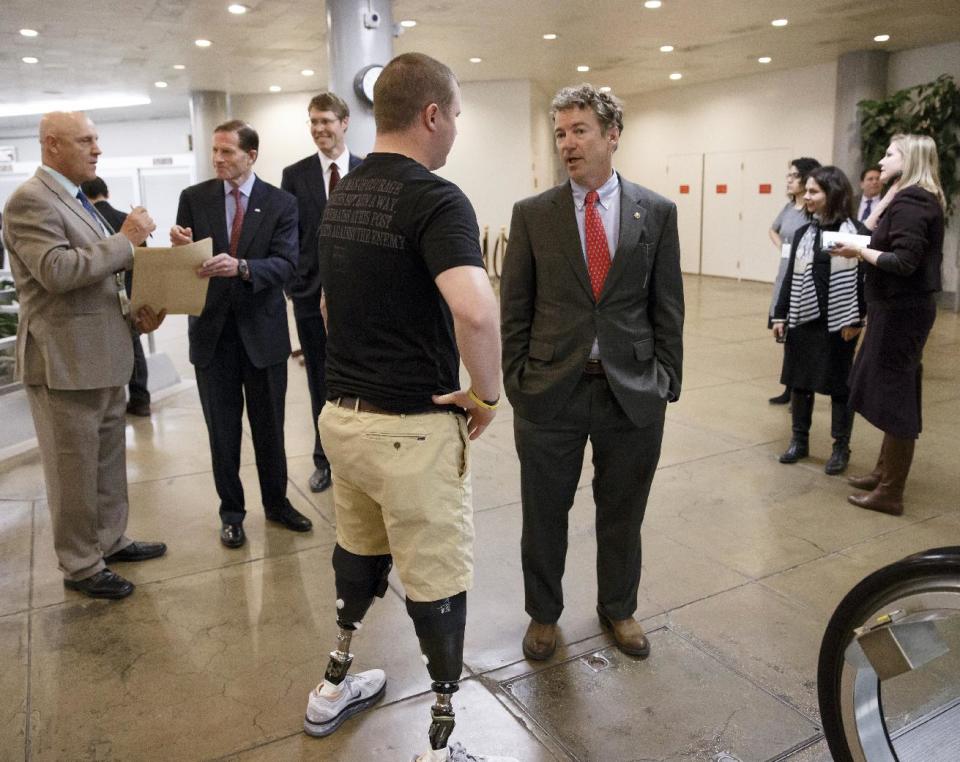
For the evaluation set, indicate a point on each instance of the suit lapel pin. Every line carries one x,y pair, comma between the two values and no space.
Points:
636,215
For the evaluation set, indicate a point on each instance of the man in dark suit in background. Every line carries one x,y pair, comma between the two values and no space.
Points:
592,321
871,188
312,180
240,343
138,402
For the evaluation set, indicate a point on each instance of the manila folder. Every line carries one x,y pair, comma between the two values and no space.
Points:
167,278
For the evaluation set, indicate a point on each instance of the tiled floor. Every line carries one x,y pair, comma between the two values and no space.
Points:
214,654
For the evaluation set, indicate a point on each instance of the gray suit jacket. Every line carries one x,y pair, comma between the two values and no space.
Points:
550,318
71,334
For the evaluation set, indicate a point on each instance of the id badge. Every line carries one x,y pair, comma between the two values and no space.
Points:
122,294
785,251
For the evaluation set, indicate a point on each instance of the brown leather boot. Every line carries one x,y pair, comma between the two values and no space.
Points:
869,481
628,635
540,641
887,497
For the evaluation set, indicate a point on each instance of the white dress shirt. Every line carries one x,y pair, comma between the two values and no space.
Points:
343,165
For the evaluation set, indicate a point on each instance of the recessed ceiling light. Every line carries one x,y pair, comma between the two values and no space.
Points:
676,75
161,84
583,68
666,48
202,43
764,59
550,36
30,59
408,23
652,4
29,32
275,88
307,72
881,38
179,67
475,60
605,89
237,9
779,22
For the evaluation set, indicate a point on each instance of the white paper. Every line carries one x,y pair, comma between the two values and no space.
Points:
828,239
166,278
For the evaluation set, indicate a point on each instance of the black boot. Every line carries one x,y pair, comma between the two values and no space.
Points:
841,425
781,399
801,410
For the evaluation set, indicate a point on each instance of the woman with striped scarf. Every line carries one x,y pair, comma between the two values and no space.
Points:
821,309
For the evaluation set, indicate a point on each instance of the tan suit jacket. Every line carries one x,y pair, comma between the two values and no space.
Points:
72,333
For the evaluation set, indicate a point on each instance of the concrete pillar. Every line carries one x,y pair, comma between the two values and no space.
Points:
861,75
208,108
359,33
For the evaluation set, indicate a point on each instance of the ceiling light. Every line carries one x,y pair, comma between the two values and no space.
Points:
202,43
475,60
583,68
237,10
550,36
86,103
676,75
307,72
161,84
881,38
179,67
29,32
652,4
605,89
666,48
30,59
275,88
779,22
764,59
408,23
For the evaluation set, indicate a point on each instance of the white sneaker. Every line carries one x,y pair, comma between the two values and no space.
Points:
457,753
357,692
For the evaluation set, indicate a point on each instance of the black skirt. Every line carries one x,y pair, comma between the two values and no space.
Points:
886,378
818,361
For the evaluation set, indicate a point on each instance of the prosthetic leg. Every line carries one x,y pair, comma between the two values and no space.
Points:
358,579
440,626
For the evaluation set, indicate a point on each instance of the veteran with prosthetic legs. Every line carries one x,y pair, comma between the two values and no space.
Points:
405,293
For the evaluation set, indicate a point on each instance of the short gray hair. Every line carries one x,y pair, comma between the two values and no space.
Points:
607,107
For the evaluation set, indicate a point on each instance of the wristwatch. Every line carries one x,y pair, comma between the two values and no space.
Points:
243,269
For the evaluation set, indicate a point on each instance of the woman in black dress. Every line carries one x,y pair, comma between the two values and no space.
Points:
820,309
902,274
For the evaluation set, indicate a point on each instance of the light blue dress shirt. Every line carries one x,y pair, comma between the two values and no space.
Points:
230,203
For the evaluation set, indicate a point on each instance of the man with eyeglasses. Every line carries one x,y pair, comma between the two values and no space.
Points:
312,180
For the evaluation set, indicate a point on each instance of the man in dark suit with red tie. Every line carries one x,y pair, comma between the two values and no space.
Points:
592,320
312,180
240,343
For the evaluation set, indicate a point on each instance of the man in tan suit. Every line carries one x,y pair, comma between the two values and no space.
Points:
74,353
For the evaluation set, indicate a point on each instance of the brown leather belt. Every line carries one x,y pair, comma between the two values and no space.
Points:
362,406
594,368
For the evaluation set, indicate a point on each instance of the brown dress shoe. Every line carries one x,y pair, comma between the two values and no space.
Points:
628,635
540,641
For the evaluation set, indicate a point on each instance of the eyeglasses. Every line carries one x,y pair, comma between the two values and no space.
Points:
321,122
793,175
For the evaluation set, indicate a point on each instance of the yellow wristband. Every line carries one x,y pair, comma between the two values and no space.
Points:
482,403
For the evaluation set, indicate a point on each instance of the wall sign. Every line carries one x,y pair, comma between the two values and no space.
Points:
765,188
684,189
721,188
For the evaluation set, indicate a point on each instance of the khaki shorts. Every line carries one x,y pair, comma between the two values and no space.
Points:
401,485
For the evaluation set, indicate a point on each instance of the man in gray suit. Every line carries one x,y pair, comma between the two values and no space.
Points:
74,354
592,321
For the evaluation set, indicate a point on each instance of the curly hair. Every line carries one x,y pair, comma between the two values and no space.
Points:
608,108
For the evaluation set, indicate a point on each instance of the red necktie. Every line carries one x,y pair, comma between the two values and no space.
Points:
334,177
237,223
598,253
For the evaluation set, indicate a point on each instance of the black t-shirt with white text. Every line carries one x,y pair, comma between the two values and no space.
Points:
390,228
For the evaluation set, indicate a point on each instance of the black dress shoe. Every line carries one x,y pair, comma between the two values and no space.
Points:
103,584
320,479
232,535
141,409
137,551
781,399
290,517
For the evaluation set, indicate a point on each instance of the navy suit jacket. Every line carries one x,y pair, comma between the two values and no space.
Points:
304,179
268,241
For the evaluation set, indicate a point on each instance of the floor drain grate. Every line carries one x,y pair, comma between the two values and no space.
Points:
596,661
725,756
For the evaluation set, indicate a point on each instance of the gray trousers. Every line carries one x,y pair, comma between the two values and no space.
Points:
82,442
